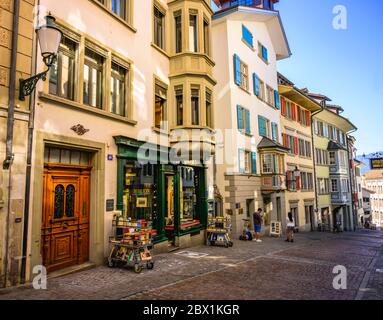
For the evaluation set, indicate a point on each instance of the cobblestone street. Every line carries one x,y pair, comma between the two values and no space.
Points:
271,270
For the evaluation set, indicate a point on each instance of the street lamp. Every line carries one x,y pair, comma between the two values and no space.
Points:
49,37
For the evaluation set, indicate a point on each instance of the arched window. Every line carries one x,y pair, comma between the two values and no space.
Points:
59,201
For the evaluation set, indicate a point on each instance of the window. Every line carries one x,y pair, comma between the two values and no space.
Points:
342,158
244,76
241,76
178,32
119,7
62,73
160,108
243,120
118,90
323,186
334,185
289,110
93,79
332,158
274,132
193,33
330,132
247,36
304,148
267,163
209,118
291,181
307,182
345,185
195,106
289,142
159,28
308,149
263,53
247,162
180,106
321,157
263,127
206,37
270,96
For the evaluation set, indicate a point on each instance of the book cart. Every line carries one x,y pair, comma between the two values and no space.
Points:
131,245
218,230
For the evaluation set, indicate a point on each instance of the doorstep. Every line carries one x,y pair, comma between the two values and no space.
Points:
73,269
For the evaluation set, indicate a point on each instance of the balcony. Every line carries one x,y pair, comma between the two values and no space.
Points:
262,4
272,183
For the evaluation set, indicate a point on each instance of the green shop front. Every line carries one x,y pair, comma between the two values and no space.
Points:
172,198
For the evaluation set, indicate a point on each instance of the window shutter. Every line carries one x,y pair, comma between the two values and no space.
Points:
274,127
237,70
284,140
265,54
308,118
247,121
296,146
256,85
239,117
283,106
262,126
288,180
241,160
276,98
293,111
247,36
298,118
298,182
253,162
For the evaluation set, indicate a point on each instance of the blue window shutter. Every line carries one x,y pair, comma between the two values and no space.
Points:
256,84
253,163
247,36
239,117
241,160
277,100
262,126
247,121
274,127
237,70
265,54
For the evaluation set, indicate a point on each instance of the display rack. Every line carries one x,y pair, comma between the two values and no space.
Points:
218,231
131,244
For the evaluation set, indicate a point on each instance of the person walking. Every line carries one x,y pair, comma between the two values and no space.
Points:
290,227
257,219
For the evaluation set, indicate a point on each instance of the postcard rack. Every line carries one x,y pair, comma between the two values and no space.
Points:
218,231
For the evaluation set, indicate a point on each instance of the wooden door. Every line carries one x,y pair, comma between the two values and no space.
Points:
65,225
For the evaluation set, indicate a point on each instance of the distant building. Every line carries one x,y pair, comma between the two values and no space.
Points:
374,182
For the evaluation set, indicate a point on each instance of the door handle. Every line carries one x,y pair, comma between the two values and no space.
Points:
65,225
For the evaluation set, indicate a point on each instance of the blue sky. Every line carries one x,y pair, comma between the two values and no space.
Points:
346,65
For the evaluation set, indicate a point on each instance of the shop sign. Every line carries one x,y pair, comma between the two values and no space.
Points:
110,157
109,205
377,163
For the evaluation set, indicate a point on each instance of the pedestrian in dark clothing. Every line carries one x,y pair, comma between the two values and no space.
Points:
257,219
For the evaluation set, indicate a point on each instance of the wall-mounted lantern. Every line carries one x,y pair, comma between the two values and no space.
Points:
49,37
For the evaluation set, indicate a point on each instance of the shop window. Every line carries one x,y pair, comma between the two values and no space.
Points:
62,73
188,196
140,192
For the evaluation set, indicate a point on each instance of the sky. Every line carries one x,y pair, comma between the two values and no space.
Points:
345,65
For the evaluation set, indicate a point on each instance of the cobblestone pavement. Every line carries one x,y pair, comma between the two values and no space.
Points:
273,269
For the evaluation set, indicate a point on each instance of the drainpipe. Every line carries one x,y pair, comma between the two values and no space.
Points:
350,178
7,163
313,153
28,169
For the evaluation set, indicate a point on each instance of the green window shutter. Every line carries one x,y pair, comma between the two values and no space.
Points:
247,121
253,162
262,126
274,131
277,100
241,160
256,84
239,117
237,70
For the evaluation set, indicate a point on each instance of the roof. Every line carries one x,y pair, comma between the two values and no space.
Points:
316,95
374,174
267,143
270,18
332,145
334,106
337,120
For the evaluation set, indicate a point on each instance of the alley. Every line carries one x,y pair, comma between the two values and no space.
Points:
271,270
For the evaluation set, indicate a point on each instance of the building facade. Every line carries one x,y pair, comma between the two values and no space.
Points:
115,128
332,166
296,112
373,182
248,40
16,36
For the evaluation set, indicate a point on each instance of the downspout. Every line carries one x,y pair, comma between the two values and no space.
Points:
7,164
350,178
28,170
313,153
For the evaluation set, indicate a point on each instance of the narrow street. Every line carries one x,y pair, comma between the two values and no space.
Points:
271,270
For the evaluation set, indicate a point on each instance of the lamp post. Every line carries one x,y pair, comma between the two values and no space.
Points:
49,37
